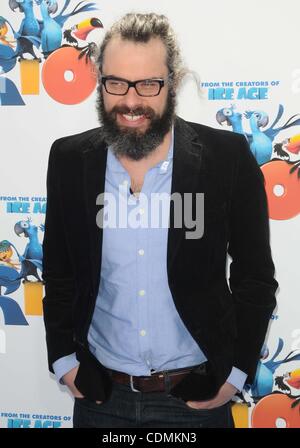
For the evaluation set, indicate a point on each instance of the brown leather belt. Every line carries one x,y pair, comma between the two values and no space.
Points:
157,382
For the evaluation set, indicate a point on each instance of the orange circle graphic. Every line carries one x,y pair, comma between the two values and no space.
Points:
53,76
287,205
273,407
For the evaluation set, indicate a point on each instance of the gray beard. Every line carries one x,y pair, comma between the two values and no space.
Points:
130,142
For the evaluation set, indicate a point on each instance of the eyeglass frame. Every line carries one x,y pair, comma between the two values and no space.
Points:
161,82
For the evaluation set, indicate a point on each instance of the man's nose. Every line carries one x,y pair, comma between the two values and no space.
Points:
132,99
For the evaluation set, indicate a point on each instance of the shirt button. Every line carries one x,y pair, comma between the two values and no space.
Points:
142,211
142,332
141,252
142,292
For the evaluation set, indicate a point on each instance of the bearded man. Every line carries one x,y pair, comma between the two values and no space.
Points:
142,324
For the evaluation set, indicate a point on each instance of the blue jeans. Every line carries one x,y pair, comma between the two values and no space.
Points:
128,409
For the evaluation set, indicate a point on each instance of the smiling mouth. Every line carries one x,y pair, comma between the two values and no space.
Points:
131,117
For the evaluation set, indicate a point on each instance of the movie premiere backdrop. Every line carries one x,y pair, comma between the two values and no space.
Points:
249,82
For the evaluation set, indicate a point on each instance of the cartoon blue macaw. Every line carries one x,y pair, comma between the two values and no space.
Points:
12,313
51,27
272,132
264,378
261,141
10,279
47,32
232,118
51,31
28,34
29,25
261,144
62,18
33,255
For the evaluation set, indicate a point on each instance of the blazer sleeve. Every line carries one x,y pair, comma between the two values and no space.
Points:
57,268
251,278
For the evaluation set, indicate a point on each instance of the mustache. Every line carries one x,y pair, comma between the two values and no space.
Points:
148,112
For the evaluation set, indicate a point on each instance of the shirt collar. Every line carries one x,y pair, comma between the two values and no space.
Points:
114,164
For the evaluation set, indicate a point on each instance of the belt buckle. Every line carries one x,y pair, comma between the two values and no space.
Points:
132,386
166,377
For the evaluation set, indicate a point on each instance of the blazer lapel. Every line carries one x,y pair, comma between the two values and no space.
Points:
187,177
94,160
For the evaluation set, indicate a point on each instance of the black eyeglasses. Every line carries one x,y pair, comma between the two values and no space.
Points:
143,87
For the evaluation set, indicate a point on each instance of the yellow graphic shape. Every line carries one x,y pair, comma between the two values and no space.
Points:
295,138
33,295
240,415
30,77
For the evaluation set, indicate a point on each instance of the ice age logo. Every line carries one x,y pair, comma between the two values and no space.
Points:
15,270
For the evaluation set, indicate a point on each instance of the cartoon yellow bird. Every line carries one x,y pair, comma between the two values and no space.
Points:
6,253
3,32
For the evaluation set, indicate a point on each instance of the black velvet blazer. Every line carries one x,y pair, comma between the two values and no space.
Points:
228,317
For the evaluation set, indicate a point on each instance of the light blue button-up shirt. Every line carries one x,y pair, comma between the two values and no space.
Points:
135,327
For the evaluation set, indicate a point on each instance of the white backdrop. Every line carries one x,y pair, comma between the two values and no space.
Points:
231,42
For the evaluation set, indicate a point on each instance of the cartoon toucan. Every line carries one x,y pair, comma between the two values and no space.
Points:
80,32
292,145
293,378
287,150
288,380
